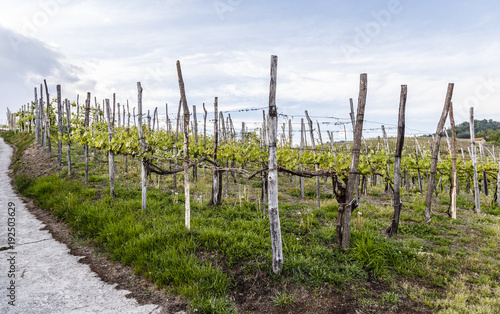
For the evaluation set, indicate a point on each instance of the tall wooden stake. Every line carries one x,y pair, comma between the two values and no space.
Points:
144,174
47,128
195,130
435,151
217,176
68,118
86,146
316,166
453,203
477,203
397,164
59,126
111,156
274,219
187,203
346,226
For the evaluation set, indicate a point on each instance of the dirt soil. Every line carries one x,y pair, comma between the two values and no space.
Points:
252,293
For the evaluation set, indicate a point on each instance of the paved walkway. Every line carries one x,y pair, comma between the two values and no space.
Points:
38,274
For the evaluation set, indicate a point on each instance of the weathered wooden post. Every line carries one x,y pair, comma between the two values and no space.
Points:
397,163
435,151
498,182
86,146
144,174
68,118
187,203
111,156
453,192
316,166
301,151
217,175
477,203
47,128
274,218
346,226
59,126
195,130
37,119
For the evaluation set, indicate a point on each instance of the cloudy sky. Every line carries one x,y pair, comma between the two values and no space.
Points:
224,46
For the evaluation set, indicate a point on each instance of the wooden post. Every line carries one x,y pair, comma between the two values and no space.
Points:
42,119
204,127
119,117
133,111
195,130
346,226
68,118
453,149
155,114
217,175
86,146
263,144
274,219
233,132
143,148
498,183
386,140
485,176
243,132
351,115
149,120
301,151
319,134
477,203
128,132
187,203
316,166
59,126
37,119
435,151
397,164
447,140
111,156
176,149
47,128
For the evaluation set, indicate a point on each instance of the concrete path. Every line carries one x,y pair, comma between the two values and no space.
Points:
38,275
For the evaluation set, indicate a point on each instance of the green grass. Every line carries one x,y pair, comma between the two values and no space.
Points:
282,299
426,262
158,246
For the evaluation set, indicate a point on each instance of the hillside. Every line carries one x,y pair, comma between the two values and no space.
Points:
223,265
488,129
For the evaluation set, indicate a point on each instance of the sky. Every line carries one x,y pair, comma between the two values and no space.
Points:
225,47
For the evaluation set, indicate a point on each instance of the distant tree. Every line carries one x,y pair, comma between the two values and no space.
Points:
488,129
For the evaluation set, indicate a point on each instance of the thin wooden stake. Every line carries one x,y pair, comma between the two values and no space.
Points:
477,202
187,202
143,147
397,163
316,166
346,226
274,219
435,152
453,150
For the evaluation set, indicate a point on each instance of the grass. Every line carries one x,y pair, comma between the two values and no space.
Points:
282,299
450,266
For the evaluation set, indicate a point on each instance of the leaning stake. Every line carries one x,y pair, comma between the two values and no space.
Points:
186,146
435,151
